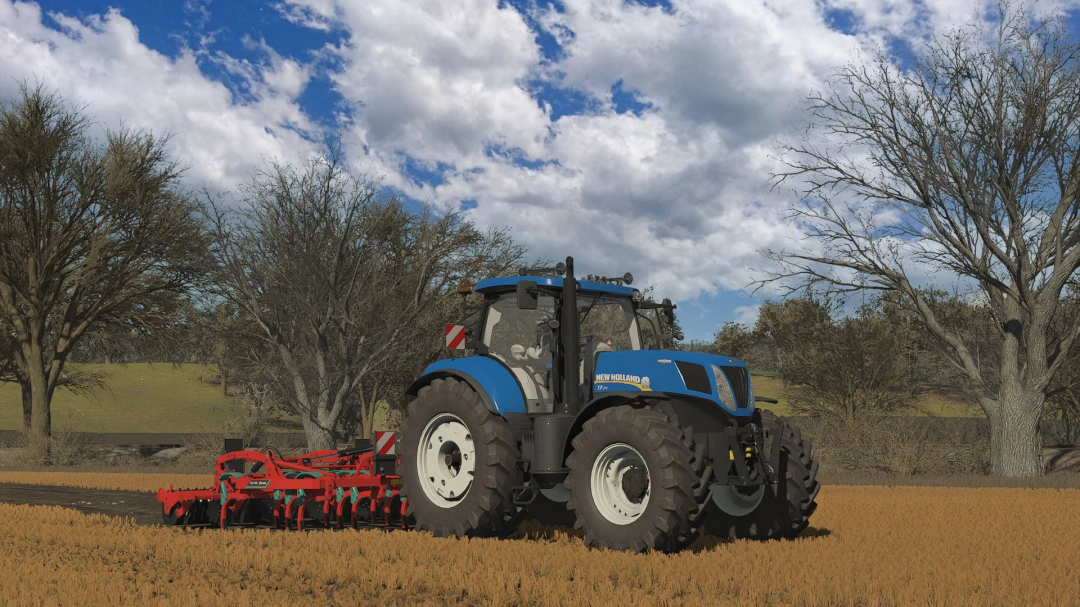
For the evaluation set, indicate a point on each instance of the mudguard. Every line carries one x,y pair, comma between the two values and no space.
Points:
495,384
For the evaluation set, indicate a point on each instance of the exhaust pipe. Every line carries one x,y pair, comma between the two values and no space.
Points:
569,326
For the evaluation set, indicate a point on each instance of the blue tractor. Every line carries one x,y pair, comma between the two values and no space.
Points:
576,396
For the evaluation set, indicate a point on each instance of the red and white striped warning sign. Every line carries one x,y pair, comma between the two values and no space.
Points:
385,443
455,337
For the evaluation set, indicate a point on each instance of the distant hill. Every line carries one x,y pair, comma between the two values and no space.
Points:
140,397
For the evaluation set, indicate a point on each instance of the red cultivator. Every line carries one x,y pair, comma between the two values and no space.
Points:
351,487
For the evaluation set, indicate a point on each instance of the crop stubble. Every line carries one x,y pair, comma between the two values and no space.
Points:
868,546
109,481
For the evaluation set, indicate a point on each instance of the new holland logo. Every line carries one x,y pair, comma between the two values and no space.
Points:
638,381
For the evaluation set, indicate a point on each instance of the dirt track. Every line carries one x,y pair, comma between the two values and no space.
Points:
142,507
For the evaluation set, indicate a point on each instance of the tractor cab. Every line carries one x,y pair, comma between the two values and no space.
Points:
519,328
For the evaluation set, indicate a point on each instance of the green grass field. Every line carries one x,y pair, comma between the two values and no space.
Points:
138,398
770,385
149,398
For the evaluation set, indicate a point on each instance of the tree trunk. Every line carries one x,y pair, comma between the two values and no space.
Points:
319,436
224,381
27,407
367,421
1015,437
40,399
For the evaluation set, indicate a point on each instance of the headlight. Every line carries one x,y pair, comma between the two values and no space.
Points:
724,389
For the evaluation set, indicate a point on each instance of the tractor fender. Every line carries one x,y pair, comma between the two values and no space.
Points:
495,383
700,413
634,398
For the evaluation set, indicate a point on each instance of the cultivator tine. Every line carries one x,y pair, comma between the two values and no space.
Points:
340,507
187,516
386,508
404,508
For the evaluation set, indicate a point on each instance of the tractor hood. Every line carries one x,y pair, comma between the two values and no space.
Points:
721,379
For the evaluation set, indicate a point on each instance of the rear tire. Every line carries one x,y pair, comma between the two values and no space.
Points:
617,452
783,512
448,432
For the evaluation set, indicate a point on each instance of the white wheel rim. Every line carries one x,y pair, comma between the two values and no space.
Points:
611,483
446,460
732,502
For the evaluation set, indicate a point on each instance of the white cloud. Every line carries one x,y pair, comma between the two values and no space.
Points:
913,21
439,81
101,63
675,193
746,315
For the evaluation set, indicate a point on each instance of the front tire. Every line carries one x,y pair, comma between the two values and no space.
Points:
458,467
767,513
632,482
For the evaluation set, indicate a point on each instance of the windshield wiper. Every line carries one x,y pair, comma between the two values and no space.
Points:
589,309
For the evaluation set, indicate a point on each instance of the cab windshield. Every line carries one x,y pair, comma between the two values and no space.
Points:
651,322
608,321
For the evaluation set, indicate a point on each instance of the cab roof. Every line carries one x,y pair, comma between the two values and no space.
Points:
510,282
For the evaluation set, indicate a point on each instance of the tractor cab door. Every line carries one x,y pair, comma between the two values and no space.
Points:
521,340
608,324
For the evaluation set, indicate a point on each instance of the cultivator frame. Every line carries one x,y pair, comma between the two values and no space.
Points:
339,488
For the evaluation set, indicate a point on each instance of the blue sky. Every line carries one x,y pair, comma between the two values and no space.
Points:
635,135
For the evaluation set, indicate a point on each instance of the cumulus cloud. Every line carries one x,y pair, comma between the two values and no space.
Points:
100,62
434,81
747,315
656,160
675,190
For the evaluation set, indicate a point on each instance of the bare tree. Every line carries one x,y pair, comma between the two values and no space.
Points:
495,254
733,339
966,163
794,332
90,233
332,276
857,370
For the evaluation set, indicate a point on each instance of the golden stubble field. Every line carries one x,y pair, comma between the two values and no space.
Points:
867,546
109,481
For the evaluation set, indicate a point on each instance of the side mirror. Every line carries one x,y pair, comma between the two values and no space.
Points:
527,298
